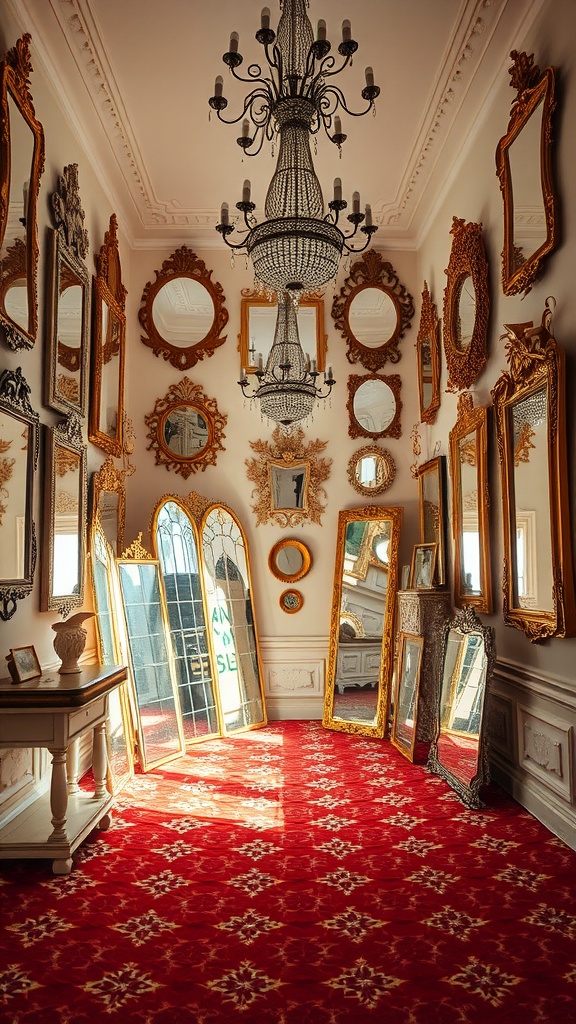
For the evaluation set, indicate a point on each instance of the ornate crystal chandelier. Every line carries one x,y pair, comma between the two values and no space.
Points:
298,247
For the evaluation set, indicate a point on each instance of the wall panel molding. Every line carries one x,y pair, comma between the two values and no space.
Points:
294,671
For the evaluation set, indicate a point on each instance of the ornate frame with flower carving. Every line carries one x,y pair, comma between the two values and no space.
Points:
388,467
21,259
472,424
108,343
467,259
534,87
288,453
536,365
252,299
371,271
65,453
183,263
355,428
185,396
428,342
109,480
66,369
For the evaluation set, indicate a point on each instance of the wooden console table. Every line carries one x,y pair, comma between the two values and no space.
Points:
54,712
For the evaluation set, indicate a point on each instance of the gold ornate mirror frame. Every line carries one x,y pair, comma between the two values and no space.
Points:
109,480
19,225
432,513
108,345
467,261
428,356
373,272
384,470
255,300
291,601
183,263
285,545
179,399
536,380
469,448
534,88
300,464
357,381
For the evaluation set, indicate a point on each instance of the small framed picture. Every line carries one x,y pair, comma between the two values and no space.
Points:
405,579
26,664
423,566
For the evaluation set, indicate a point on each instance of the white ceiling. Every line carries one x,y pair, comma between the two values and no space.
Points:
135,77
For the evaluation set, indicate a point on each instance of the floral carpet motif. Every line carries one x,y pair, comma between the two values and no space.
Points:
295,876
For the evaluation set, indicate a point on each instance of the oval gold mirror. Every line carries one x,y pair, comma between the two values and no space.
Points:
466,306
371,470
185,429
183,311
289,560
374,405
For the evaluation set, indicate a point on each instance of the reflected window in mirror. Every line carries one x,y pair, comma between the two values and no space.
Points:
371,470
428,355
432,510
258,323
374,405
471,506
65,501
524,168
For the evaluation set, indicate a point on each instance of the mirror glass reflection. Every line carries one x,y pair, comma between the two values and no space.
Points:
15,440
431,486
529,224
461,703
66,543
183,311
470,561
290,560
70,321
465,312
110,386
15,268
262,326
406,705
374,406
185,431
288,486
373,317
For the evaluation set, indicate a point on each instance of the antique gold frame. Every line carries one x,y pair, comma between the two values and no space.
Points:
474,422
433,547
536,361
108,291
434,468
371,513
355,428
109,480
533,87
185,393
389,471
67,249
371,271
428,335
291,601
65,444
467,259
292,577
251,298
22,256
406,748
183,263
286,452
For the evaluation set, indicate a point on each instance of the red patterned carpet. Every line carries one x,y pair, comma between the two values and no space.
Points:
296,876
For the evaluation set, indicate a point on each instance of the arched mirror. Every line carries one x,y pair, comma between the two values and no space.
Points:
459,751
18,463
371,470
471,506
68,300
185,429
428,354
108,347
258,315
65,500
21,165
466,306
108,503
182,311
289,560
524,167
361,643
432,509
372,311
374,405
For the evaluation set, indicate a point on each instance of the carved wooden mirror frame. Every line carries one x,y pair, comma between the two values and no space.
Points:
467,260
534,87
428,344
536,364
472,423
66,371
109,480
288,453
373,272
109,292
355,382
304,552
21,259
185,395
384,476
183,263
252,299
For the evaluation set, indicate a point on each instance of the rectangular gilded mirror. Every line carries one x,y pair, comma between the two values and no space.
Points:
432,510
470,507
258,323
361,644
65,500
108,344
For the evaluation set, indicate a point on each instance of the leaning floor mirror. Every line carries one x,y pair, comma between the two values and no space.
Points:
361,642
459,751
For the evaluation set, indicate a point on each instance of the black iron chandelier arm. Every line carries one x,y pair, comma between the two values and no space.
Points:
227,229
339,100
263,94
368,230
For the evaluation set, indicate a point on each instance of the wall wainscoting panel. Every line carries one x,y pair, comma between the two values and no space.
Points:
533,723
24,773
294,670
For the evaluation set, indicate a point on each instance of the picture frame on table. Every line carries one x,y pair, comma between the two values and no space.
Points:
423,566
25,663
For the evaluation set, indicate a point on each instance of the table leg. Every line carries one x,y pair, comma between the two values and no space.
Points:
72,760
59,794
100,760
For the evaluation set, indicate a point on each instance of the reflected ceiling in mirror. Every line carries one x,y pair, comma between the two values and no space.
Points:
185,429
374,405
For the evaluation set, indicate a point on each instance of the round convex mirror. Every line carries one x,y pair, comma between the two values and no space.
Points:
185,431
374,406
371,470
183,312
373,317
289,560
465,312
291,601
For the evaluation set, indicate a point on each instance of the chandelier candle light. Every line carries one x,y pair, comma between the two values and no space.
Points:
298,248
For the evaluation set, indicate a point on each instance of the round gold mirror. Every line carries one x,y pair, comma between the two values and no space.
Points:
371,470
374,405
185,429
289,560
291,601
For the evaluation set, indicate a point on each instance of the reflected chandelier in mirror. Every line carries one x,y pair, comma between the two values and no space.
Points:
428,355
21,166
183,312
471,506
185,429
524,168
373,311
288,475
530,404
466,306
258,315
459,751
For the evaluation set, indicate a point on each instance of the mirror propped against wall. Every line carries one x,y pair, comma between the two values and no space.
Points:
471,506
361,644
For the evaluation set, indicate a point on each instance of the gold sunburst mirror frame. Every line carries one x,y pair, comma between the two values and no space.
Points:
471,506
288,474
428,356
530,220
530,404
466,306
185,429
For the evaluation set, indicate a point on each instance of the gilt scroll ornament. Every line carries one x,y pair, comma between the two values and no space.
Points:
284,453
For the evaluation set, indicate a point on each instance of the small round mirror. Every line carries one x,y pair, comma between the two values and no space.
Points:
374,406
371,470
289,560
183,312
373,317
291,601
185,431
465,312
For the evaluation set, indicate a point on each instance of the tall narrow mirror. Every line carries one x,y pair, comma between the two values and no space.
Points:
471,506
361,643
65,500
432,508
108,344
